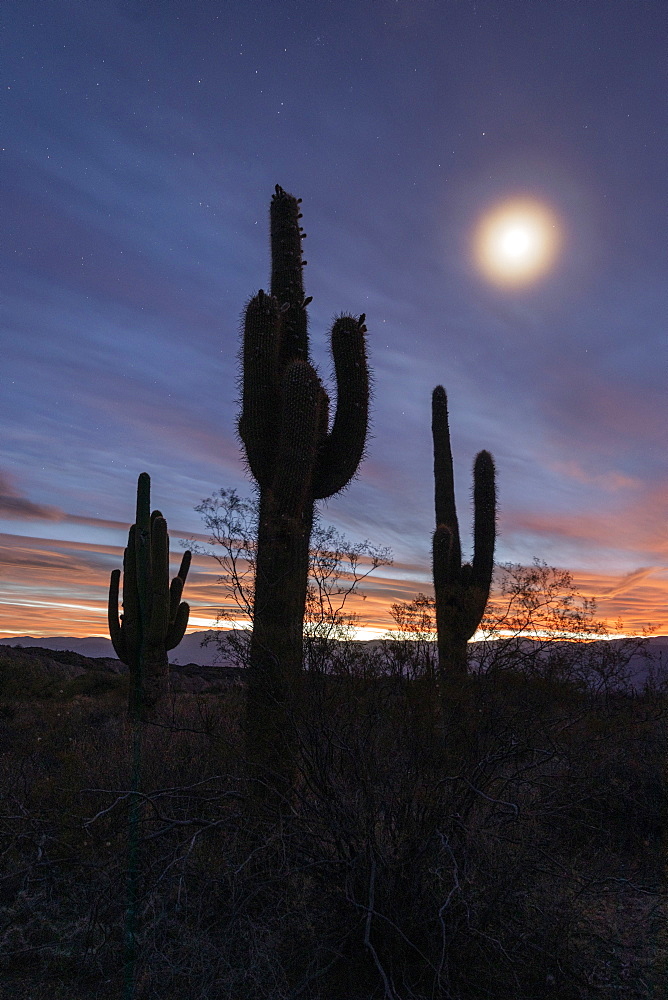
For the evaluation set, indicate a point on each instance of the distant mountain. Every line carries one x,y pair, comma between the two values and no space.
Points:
191,651
51,669
95,646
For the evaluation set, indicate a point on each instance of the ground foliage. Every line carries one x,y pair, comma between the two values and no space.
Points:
509,847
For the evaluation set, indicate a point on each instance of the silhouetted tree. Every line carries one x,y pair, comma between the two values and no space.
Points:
336,568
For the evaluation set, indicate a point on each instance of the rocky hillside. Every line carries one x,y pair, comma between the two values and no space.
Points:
42,670
48,665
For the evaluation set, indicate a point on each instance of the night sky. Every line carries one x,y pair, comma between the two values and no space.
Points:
142,140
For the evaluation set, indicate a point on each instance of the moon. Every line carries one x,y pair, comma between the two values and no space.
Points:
516,242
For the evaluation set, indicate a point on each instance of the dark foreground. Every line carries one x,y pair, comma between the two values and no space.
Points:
510,850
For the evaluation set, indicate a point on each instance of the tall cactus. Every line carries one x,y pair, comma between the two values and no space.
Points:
154,618
296,459
461,591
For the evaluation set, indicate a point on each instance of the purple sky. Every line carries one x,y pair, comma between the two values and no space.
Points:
141,142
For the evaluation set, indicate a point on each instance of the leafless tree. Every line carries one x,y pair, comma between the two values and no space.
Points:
337,568
537,623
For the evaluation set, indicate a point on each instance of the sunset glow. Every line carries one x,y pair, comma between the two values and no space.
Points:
69,598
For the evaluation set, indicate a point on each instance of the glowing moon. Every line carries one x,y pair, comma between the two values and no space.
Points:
516,242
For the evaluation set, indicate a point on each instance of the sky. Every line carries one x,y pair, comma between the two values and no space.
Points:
141,143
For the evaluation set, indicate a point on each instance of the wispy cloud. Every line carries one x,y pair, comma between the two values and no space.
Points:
14,505
629,582
611,481
631,527
638,599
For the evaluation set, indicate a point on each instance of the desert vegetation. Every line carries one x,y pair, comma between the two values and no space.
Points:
514,848
154,618
460,591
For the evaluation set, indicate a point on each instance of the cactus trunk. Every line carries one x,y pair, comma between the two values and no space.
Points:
295,459
452,651
276,652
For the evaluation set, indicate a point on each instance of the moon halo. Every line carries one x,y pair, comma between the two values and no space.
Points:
516,242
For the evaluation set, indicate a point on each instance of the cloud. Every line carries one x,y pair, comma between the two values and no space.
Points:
56,587
606,413
612,481
629,581
138,410
638,599
635,528
13,505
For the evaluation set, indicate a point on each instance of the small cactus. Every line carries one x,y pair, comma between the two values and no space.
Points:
154,618
461,591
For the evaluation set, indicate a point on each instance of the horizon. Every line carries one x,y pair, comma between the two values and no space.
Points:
366,634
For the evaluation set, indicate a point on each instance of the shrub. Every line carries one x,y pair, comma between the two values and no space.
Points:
95,683
476,854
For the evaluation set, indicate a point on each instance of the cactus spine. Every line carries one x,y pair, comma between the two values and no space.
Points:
461,591
154,618
295,459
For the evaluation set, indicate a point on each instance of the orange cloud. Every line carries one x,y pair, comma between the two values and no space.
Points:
637,527
56,587
638,599
612,481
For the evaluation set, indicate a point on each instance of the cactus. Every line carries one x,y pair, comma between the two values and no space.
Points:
295,459
461,591
154,618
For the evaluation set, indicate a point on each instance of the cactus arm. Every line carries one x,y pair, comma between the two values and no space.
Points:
257,424
343,448
115,626
175,592
177,628
177,585
186,559
484,524
178,612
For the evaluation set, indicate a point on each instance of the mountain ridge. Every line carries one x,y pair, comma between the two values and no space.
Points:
192,657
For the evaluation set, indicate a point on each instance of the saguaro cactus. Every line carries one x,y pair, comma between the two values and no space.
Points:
461,591
296,459
154,618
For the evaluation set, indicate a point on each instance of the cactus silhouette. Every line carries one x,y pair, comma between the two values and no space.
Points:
295,459
461,591
154,618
